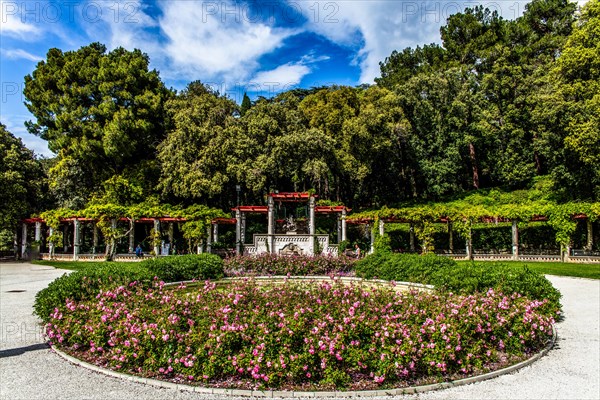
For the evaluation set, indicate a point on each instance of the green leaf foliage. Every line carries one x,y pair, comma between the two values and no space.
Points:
446,274
185,268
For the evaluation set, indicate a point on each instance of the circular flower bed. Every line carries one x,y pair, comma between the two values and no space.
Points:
299,336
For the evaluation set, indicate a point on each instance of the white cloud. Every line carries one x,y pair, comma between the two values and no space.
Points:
11,23
204,41
286,75
378,27
19,54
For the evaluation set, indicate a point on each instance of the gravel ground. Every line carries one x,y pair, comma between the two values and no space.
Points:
30,370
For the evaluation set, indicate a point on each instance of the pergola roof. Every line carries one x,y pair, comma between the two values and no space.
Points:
331,209
292,196
252,209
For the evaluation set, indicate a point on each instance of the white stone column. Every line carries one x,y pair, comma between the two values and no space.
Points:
381,228
94,237
238,232
200,248
131,236
156,244
411,231
469,245
372,234
311,213
590,235
38,231
23,239
50,244
243,229
76,234
271,223
171,233
209,239
515,240
216,232
343,224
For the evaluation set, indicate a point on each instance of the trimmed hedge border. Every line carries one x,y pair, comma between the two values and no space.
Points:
309,394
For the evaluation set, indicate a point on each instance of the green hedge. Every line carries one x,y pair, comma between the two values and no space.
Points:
185,268
87,282
445,274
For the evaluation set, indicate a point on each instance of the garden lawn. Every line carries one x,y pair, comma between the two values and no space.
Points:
591,271
76,265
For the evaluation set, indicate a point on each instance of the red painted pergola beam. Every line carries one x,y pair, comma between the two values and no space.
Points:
331,209
292,196
252,209
224,221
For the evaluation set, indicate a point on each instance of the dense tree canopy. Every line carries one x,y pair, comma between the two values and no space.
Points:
21,180
102,114
497,104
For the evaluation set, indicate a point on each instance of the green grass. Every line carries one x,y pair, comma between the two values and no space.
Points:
75,265
591,271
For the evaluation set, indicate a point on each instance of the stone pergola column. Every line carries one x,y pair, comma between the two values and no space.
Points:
215,232
171,233
411,231
311,224
94,237
590,235
131,236
469,245
50,244
381,228
209,239
271,223
311,213
76,237
515,240
156,244
23,239
38,231
238,232
243,229
343,224
450,238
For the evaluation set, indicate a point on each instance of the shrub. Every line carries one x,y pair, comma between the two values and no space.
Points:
86,283
272,264
185,268
446,274
401,267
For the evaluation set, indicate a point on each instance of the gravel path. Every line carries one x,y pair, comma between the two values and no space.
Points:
30,370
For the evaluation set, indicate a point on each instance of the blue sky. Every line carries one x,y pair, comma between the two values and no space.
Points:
262,47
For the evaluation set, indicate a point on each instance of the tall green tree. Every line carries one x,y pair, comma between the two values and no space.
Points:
102,114
567,112
193,156
22,182
246,104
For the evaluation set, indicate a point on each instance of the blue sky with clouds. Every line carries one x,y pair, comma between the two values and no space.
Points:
262,47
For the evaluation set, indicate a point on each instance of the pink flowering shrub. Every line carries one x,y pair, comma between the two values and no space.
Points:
272,264
291,334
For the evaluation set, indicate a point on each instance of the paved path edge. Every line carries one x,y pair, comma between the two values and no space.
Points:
294,394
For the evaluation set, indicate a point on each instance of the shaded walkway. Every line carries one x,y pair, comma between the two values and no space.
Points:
29,370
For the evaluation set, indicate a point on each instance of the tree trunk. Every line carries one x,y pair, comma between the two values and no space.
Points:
473,158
